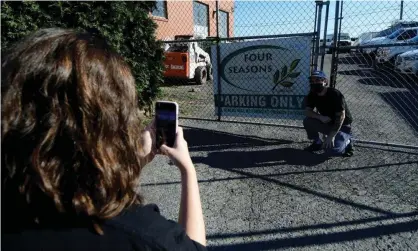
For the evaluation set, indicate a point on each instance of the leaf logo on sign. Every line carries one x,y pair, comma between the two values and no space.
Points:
282,78
239,52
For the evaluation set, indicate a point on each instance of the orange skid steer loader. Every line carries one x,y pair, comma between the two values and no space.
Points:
186,60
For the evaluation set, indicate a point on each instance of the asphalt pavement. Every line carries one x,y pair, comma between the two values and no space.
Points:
261,191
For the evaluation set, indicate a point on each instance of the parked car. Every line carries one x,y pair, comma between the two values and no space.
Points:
344,40
399,35
387,55
407,62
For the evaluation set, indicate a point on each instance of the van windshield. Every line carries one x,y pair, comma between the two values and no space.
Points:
414,39
394,34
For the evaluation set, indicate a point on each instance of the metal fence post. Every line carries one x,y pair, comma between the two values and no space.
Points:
318,32
314,37
334,47
324,42
218,62
337,43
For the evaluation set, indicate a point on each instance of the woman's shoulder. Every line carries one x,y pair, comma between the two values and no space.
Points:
144,224
145,219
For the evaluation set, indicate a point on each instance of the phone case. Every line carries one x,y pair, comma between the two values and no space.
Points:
177,110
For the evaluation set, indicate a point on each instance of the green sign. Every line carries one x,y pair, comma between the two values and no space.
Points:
265,77
293,102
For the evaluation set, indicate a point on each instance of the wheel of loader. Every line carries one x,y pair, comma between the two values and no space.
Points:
210,72
201,75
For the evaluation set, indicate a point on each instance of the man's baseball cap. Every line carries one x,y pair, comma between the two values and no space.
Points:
318,74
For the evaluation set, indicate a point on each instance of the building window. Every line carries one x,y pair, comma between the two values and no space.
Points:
160,9
223,24
201,19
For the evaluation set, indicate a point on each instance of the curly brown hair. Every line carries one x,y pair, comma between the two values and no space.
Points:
70,128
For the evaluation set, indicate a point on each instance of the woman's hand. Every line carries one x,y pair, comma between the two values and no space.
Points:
179,153
190,212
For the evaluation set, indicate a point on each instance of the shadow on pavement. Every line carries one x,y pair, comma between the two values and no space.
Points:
238,162
360,60
208,140
388,150
322,171
214,142
321,239
261,158
406,104
359,72
379,79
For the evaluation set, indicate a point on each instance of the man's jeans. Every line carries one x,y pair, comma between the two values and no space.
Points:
314,126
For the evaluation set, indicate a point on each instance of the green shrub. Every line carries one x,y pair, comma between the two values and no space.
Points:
125,24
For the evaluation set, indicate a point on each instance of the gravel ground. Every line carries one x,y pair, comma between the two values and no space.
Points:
261,191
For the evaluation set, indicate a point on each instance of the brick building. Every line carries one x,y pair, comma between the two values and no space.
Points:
197,18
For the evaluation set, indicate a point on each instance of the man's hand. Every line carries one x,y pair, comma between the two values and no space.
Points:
324,119
329,142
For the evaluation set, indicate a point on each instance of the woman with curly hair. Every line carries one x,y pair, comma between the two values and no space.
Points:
73,151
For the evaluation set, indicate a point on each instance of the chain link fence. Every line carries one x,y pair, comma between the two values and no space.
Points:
368,200
378,72
239,22
379,82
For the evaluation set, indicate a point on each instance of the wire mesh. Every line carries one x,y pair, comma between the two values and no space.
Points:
378,184
378,76
382,95
254,23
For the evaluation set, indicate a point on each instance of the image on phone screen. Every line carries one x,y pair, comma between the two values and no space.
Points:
166,121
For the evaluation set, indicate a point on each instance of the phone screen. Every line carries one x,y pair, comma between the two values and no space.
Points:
166,123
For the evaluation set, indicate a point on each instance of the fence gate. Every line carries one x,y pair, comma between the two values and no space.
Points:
260,83
372,66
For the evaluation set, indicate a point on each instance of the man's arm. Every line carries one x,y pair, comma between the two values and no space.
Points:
310,113
339,119
339,116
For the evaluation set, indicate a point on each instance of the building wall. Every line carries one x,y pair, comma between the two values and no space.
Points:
180,18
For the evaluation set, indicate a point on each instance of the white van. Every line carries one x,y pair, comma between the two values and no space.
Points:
399,35
345,40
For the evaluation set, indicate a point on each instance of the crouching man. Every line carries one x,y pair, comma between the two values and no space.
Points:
327,113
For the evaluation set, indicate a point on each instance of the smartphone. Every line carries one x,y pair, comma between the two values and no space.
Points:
166,121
